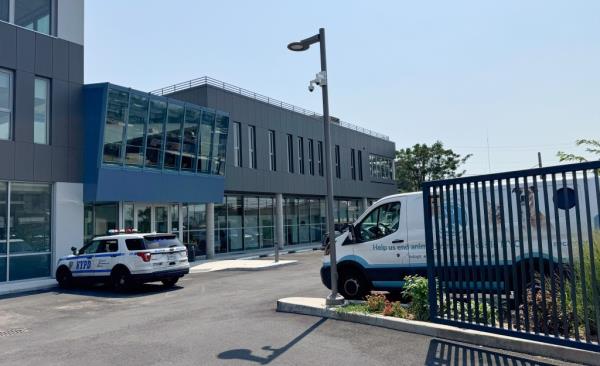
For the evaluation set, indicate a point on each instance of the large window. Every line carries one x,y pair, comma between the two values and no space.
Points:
33,14
173,137
191,127
235,214
290,150
27,232
116,110
237,144
155,132
272,149
4,14
301,155
304,220
381,167
352,164
251,223
6,104
320,157
252,146
207,129
136,125
41,111
338,172
145,131
311,157
360,171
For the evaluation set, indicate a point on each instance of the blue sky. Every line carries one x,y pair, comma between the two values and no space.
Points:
523,75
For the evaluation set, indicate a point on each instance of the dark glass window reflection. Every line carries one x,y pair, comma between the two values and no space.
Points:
190,139
4,13
155,133
115,125
3,213
33,14
234,223
136,125
219,145
206,141
173,137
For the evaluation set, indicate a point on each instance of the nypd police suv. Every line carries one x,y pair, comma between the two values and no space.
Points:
123,259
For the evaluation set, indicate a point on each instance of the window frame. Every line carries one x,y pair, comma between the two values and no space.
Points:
311,157
272,149
252,146
320,157
300,155
9,110
352,164
338,172
290,150
360,170
358,240
48,114
51,18
237,144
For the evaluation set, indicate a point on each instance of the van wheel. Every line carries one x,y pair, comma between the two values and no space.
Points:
353,285
170,282
120,279
64,277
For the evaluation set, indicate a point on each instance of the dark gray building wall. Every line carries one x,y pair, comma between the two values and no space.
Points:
265,117
29,54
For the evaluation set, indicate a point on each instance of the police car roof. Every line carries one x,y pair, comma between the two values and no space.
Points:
132,235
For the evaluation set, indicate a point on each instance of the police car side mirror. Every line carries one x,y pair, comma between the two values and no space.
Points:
74,250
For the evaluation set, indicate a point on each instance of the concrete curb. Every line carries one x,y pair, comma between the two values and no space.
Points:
317,307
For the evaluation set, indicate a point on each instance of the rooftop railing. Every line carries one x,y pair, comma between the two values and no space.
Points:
205,80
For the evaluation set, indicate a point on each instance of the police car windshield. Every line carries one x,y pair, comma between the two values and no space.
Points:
161,241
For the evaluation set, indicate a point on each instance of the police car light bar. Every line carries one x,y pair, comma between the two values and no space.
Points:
122,231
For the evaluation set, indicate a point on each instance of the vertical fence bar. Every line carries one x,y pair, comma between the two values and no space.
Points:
504,262
592,255
440,289
531,263
459,269
445,250
453,275
481,285
497,284
466,266
551,269
542,265
473,269
586,318
522,270
570,253
561,271
430,258
513,255
489,277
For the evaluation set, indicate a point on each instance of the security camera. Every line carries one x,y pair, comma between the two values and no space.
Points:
311,88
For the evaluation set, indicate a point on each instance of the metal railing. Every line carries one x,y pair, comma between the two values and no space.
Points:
205,80
517,253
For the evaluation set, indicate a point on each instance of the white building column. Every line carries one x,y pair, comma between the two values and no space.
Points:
365,203
210,230
279,220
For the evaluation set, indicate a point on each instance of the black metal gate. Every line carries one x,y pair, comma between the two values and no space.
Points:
517,253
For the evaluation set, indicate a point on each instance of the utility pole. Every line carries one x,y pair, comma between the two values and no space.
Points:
539,159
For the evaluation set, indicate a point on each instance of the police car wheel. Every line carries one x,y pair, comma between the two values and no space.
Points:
64,277
352,285
120,279
170,282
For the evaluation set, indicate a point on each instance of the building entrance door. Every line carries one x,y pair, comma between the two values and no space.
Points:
161,219
143,218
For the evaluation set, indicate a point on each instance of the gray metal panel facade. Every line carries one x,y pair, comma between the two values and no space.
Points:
29,54
267,117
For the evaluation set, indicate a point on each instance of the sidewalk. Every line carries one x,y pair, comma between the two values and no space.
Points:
239,265
259,253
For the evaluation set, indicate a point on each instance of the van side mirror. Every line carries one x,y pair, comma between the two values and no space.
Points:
74,250
351,239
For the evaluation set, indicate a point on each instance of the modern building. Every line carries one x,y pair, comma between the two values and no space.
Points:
227,169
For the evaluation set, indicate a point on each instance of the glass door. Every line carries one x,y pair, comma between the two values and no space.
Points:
143,218
161,219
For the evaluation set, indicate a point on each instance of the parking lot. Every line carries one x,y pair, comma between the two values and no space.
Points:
216,318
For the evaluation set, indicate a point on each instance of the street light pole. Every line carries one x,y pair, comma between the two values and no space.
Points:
333,298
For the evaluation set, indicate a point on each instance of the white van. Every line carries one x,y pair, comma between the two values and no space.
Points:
387,242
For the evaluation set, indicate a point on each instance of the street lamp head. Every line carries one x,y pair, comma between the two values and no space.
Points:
298,46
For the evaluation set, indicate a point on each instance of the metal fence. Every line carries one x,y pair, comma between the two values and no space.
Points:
205,80
517,253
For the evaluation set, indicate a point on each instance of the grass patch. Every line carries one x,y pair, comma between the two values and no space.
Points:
353,308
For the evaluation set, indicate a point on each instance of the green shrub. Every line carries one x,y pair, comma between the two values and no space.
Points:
590,291
416,287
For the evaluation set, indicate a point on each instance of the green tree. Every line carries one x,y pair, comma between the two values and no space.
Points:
420,163
591,146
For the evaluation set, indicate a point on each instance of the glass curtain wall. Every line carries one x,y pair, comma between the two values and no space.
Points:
27,252
149,132
304,220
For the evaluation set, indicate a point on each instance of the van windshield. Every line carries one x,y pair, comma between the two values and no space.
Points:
161,241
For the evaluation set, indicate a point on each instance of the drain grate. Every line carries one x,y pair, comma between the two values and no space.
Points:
14,331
